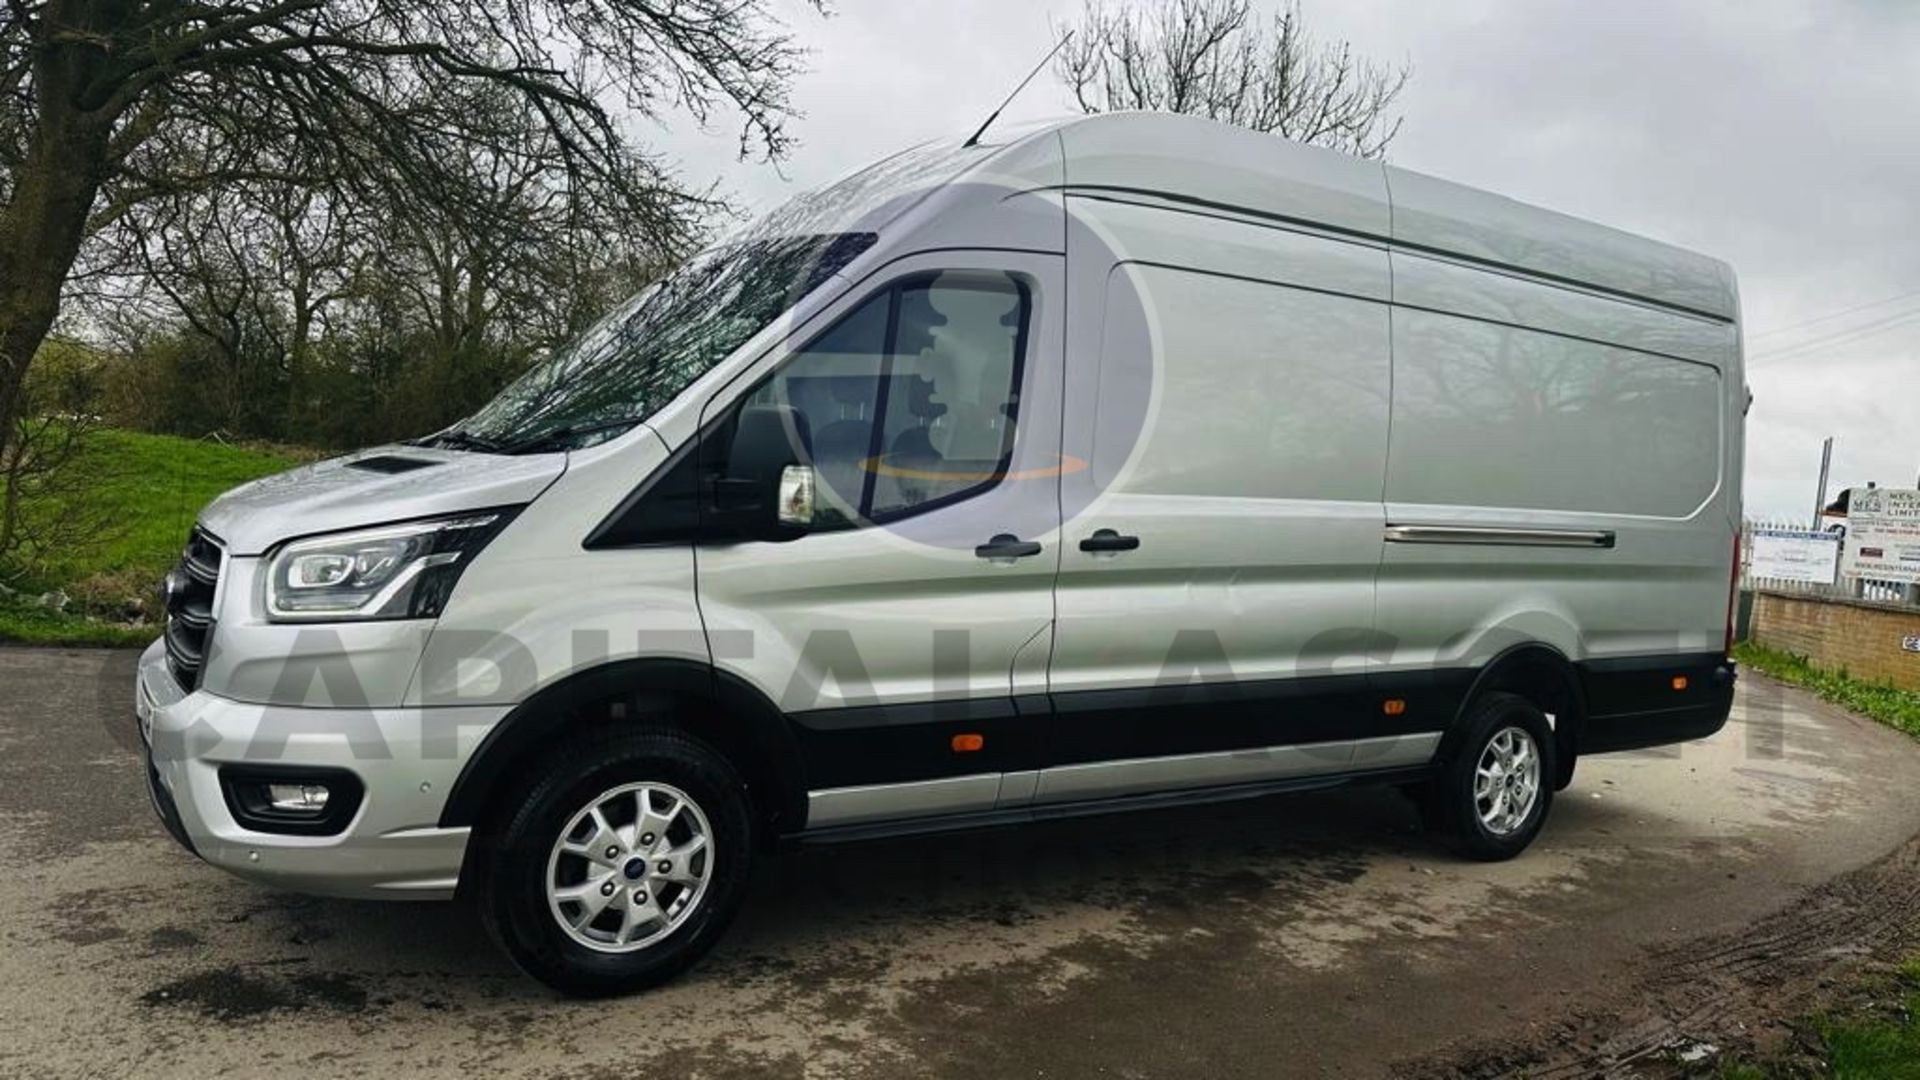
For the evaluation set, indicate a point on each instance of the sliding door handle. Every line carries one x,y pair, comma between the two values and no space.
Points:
1007,546
1109,540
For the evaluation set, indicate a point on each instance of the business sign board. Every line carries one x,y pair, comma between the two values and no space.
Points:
1883,535
1795,555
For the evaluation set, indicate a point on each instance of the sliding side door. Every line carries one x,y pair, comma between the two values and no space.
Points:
1227,392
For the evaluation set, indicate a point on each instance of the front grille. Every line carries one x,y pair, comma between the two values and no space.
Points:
189,596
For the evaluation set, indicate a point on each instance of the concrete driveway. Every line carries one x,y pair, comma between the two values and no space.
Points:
1304,935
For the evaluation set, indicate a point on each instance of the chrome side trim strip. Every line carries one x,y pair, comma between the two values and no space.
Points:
1395,751
1016,788
1102,779
1499,537
886,802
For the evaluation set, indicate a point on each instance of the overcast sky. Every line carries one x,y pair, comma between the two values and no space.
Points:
1782,137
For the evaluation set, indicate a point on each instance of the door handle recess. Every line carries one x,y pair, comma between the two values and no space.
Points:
1109,540
1007,546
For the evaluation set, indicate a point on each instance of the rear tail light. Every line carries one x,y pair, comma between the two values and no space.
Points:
1733,592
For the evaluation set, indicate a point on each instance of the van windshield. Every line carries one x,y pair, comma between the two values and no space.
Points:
647,350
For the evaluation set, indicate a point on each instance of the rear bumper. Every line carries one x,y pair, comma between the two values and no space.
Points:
406,759
1705,705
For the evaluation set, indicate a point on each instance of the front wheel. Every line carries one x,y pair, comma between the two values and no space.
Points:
1492,797
621,864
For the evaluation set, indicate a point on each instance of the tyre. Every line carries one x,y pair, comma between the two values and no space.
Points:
619,864
1492,797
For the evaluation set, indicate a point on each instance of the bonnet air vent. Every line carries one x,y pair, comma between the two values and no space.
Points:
387,463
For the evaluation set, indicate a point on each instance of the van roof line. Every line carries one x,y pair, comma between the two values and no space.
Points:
1193,159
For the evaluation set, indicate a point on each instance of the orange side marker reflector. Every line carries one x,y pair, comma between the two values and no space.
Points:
967,744
1679,682
1394,706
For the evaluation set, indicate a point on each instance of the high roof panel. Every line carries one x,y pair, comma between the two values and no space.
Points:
1452,218
1194,160
1184,157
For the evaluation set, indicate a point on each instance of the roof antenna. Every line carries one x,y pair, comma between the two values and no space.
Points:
1044,61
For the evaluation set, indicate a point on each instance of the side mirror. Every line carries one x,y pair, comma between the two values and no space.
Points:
767,488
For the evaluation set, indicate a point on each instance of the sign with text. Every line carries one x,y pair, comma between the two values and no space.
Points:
1883,535
1795,555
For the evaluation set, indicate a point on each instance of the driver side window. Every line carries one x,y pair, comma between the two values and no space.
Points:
910,401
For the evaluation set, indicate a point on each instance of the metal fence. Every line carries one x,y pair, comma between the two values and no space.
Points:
1842,588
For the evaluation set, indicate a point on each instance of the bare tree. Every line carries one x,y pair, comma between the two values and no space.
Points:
107,105
259,277
1218,59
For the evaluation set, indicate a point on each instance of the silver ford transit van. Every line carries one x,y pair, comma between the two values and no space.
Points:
1131,461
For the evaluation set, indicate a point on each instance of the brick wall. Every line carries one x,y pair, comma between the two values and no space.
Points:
1858,635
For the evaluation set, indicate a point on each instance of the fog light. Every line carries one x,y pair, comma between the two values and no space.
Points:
297,798
305,800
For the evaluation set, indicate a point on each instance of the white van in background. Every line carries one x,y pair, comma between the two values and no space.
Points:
1132,461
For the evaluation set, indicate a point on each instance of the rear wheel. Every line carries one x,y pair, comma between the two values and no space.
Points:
1493,796
621,864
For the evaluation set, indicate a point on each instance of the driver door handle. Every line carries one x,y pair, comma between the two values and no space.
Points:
1109,540
1007,546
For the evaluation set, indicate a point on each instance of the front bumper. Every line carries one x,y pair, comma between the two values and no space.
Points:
407,759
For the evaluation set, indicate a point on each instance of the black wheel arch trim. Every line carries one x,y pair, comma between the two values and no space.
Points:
531,726
1567,728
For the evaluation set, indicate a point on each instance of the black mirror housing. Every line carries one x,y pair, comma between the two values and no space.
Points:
745,498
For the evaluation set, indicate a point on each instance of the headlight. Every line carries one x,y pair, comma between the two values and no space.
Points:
400,571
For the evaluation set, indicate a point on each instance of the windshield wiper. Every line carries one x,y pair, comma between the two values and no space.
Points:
560,437
461,440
